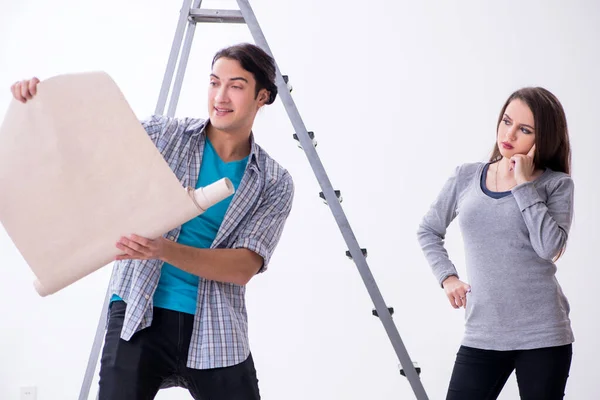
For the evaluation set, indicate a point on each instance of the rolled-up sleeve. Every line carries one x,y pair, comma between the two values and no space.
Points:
263,231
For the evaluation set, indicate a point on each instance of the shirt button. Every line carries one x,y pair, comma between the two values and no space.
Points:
147,296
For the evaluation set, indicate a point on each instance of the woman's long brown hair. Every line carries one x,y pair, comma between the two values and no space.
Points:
552,147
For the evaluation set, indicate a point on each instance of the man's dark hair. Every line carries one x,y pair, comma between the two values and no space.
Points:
256,61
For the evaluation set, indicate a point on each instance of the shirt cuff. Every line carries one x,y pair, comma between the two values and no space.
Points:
526,195
256,246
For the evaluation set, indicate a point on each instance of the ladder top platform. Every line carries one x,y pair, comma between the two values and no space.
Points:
216,16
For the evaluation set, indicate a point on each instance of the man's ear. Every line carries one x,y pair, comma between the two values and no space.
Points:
263,97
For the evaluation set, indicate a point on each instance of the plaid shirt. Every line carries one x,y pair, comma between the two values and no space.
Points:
254,220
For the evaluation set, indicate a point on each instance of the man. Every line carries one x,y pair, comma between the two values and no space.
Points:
177,315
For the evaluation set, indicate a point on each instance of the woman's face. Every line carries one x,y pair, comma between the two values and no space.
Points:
516,132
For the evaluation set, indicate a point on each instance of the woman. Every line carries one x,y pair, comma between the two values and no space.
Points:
515,213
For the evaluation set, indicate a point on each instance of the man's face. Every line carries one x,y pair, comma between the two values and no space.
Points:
232,104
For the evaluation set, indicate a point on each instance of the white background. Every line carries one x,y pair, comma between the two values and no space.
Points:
398,93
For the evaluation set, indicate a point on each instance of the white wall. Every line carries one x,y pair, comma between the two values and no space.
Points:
398,93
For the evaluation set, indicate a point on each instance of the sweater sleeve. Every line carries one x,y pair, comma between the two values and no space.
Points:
432,229
548,221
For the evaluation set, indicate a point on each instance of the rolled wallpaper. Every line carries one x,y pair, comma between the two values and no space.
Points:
77,172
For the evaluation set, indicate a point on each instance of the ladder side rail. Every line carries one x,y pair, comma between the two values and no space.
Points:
185,55
336,208
174,54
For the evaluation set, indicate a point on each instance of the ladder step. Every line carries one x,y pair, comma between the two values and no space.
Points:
364,252
417,369
286,79
311,135
338,194
216,16
390,310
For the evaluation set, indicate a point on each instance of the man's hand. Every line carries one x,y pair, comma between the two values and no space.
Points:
24,90
139,248
236,266
456,290
524,166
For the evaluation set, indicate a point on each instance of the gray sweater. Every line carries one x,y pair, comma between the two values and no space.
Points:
515,301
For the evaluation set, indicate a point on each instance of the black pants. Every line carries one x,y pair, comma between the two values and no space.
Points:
156,357
481,374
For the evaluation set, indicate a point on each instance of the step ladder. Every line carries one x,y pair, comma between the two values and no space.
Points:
191,13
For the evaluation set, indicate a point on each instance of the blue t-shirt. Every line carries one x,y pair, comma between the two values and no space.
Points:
177,290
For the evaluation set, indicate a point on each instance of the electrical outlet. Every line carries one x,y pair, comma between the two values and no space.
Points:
28,393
